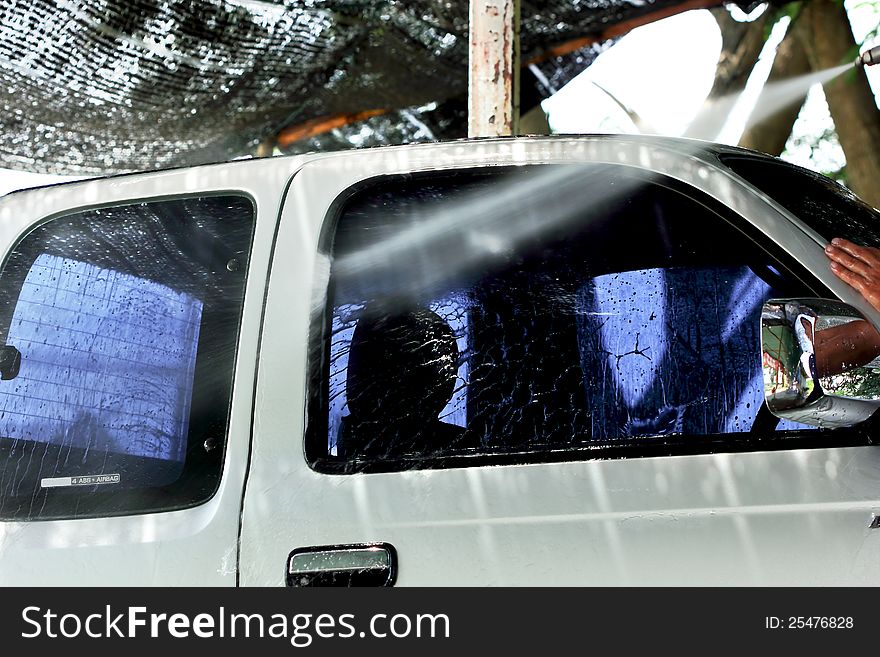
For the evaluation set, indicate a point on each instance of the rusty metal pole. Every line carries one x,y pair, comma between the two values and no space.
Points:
493,71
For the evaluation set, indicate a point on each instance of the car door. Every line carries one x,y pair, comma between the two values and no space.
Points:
486,369
129,309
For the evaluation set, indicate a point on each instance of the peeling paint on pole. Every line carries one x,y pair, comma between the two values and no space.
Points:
493,75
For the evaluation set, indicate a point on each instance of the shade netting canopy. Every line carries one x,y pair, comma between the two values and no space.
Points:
95,86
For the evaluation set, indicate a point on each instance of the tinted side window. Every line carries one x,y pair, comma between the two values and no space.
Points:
627,317
825,206
126,320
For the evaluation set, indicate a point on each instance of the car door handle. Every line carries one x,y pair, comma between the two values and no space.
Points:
364,564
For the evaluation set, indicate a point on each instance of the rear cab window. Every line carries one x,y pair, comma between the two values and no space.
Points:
125,320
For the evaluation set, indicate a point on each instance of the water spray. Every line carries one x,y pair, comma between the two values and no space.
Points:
869,57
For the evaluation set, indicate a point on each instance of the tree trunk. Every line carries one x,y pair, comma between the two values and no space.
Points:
534,122
741,44
770,135
829,42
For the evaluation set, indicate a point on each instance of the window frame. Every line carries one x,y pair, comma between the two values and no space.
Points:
171,497
749,169
320,333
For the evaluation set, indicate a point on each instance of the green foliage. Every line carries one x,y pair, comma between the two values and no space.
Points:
874,32
851,54
817,144
861,383
791,9
840,175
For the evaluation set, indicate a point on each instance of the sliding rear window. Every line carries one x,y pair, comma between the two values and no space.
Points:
119,334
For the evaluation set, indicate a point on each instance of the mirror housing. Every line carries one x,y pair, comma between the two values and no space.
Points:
820,361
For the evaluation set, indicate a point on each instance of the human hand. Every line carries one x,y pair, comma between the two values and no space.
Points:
858,266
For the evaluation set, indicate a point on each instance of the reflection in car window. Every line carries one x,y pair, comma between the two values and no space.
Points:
89,337
630,324
126,321
653,350
452,309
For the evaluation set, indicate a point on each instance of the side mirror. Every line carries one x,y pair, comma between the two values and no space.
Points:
821,362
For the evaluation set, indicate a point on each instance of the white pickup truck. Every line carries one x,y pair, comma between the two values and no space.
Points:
532,361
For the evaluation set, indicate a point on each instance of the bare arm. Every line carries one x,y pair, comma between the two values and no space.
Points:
856,343
858,266
846,346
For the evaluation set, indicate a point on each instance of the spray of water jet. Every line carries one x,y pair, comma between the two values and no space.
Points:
461,237
475,230
775,96
472,232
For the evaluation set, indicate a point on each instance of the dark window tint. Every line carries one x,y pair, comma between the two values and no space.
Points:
593,310
126,320
825,206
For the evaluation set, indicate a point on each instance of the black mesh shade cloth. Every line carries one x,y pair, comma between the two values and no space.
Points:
94,86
